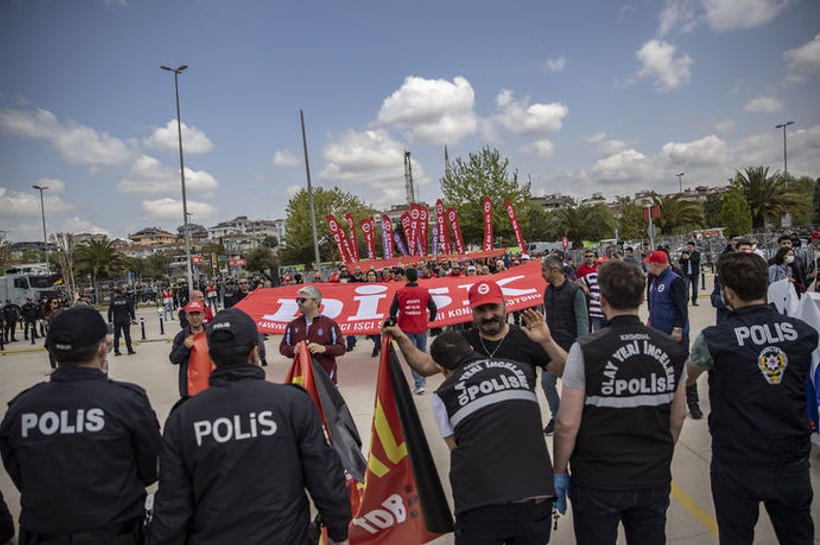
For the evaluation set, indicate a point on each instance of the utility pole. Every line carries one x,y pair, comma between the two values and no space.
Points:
785,150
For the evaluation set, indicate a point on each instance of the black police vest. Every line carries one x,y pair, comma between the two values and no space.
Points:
632,372
757,387
501,455
559,303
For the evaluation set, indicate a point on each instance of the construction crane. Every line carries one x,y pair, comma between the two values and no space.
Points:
408,179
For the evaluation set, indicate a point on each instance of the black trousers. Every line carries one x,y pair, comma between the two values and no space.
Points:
123,328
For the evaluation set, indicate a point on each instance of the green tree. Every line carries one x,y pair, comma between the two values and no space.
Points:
735,213
631,224
543,225
711,209
585,223
485,173
805,188
769,197
157,264
5,252
816,217
261,259
97,258
678,215
298,243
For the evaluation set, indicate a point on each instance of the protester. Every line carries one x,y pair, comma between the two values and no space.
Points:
758,363
234,297
690,266
782,266
81,448
619,440
239,456
190,352
413,307
323,336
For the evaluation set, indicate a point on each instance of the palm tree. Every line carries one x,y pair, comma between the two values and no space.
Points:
677,213
584,222
769,197
98,258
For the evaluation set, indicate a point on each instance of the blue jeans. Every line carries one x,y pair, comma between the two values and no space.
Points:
419,340
525,523
548,381
596,322
596,514
785,491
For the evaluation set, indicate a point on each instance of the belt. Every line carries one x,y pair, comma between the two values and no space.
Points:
103,532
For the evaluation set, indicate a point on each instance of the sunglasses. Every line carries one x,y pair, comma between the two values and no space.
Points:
301,300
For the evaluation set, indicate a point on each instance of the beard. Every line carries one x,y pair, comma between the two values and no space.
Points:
491,327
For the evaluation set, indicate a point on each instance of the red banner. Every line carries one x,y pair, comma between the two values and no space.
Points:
387,237
360,309
405,227
488,225
236,262
516,228
354,242
452,215
413,241
443,234
342,243
368,227
424,217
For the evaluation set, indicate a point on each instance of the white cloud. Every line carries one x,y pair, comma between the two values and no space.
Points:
293,190
54,185
171,210
557,65
26,204
724,15
76,143
706,151
677,13
521,117
167,139
286,158
659,63
149,176
432,111
81,225
541,148
724,125
805,59
764,105
606,147
370,164
628,165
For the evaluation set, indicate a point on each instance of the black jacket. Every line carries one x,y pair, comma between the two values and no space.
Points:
81,449
237,459
180,354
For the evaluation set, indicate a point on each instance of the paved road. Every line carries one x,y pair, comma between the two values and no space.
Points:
691,515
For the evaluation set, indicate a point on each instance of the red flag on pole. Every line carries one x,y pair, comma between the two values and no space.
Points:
516,228
413,241
443,233
368,227
488,225
405,227
452,215
424,216
342,243
354,242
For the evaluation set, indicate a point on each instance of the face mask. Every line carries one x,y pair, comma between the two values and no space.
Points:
790,259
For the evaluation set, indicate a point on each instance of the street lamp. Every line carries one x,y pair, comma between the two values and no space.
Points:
42,188
785,155
680,183
177,71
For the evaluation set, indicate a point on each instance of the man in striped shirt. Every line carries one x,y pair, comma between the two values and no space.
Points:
587,279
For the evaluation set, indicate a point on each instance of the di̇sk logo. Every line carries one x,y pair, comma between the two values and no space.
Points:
414,214
366,227
487,206
483,289
772,362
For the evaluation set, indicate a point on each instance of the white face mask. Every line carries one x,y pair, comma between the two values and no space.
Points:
789,259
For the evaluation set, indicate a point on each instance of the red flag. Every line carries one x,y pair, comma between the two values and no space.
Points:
387,237
488,225
200,365
516,228
368,228
405,227
413,241
443,233
354,246
342,243
391,510
424,217
452,215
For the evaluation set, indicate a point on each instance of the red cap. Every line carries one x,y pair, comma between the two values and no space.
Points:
485,293
602,259
658,256
815,235
194,306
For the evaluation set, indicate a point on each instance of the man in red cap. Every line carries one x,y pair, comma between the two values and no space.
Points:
669,311
190,352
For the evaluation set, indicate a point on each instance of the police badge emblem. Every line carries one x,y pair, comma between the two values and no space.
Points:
772,362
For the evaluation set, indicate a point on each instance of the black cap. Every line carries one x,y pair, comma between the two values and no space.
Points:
231,328
75,329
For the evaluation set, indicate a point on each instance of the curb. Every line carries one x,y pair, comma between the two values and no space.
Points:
9,352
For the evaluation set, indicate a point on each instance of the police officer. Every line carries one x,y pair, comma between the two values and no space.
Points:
622,409
758,362
29,314
239,455
500,466
81,448
121,312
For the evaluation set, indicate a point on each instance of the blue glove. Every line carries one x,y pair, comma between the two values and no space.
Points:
561,481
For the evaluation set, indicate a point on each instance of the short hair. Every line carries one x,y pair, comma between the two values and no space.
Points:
553,262
691,243
623,284
733,235
412,274
780,257
311,292
783,237
77,357
230,355
746,273
744,242
449,349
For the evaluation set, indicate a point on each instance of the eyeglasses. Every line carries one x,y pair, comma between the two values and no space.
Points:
301,300
589,256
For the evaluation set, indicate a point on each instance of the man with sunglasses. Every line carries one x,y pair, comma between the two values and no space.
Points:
234,297
324,338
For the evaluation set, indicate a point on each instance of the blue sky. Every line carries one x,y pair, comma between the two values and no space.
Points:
582,97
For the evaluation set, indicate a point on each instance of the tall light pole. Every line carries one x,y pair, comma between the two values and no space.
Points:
785,154
680,183
42,188
177,71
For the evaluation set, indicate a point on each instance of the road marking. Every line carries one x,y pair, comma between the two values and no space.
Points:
686,501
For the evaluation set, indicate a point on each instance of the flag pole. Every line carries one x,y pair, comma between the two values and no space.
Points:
310,196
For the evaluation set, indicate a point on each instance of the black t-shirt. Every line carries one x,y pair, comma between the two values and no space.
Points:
514,346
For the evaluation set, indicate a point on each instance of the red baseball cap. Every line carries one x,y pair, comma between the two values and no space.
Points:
658,256
485,293
194,306
815,234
